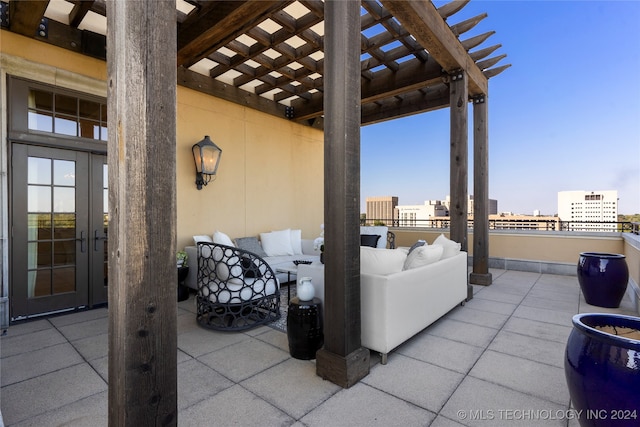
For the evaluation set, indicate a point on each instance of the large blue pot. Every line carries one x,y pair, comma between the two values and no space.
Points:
603,371
603,278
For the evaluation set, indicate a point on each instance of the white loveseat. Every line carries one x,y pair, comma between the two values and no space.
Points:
400,294
397,306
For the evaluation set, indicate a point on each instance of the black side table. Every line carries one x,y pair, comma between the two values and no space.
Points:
304,328
183,290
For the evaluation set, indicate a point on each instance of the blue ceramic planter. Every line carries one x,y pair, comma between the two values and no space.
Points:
603,371
603,278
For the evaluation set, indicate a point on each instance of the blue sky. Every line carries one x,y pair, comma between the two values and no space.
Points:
565,116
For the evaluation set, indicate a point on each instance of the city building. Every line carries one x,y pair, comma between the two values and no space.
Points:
381,209
587,210
432,212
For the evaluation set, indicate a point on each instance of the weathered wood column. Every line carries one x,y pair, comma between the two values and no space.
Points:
480,274
342,360
458,168
141,62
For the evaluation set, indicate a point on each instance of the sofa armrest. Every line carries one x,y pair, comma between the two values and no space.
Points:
307,247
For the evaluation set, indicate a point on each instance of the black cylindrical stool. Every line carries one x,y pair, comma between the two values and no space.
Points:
304,328
183,291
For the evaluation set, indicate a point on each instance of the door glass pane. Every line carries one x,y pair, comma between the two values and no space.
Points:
64,226
39,198
39,226
64,252
39,171
64,172
64,280
39,254
41,283
64,199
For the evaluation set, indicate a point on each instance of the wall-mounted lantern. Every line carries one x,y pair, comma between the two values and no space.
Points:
206,155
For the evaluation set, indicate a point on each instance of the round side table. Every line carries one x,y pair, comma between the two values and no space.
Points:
304,328
183,291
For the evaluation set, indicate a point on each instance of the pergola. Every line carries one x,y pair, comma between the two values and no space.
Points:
336,65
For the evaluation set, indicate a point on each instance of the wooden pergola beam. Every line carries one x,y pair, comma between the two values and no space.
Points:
422,20
25,16
221,24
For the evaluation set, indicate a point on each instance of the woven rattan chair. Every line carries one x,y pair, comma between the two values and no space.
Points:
237,289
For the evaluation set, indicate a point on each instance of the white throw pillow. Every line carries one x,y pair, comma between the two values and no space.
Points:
381,261
450,247
423,255
277,243
222,239
203,238
380,230
296,241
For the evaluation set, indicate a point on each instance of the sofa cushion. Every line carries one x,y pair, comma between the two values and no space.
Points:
296,241
277,243
202,238
417,245
370,240
251,244
450,247
423,255
381,261
380,230
222,239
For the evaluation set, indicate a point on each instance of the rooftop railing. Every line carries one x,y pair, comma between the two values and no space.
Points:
515,224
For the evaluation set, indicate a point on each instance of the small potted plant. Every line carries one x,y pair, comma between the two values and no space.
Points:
181,258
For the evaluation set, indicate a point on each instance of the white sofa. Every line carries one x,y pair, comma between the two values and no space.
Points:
397,306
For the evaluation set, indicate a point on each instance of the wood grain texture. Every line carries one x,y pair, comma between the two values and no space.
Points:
142,211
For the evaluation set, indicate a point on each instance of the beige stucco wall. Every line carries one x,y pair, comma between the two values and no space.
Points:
558,247
270,175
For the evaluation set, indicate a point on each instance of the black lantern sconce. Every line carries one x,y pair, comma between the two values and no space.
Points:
206,155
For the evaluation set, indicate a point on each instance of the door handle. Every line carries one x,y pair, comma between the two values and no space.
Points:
96,238
82,240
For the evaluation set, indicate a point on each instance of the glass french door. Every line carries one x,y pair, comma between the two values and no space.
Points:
59,220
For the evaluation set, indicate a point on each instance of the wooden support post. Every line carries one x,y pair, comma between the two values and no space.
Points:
342,360
458,210
141,63
480,274
458,169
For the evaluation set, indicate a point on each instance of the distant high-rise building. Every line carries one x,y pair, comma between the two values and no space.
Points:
587,210
418,215
423,215
382,209
493,205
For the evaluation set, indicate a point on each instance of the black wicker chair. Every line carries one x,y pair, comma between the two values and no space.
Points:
237,289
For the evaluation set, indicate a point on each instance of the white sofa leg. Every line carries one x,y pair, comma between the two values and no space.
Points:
383,358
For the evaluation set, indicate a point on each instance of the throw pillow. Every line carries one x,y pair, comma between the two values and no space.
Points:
423,255
222,239
277,243
250,269
381,261
251,244
296,242
380,230
370,240
450,247
417,245
201,238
